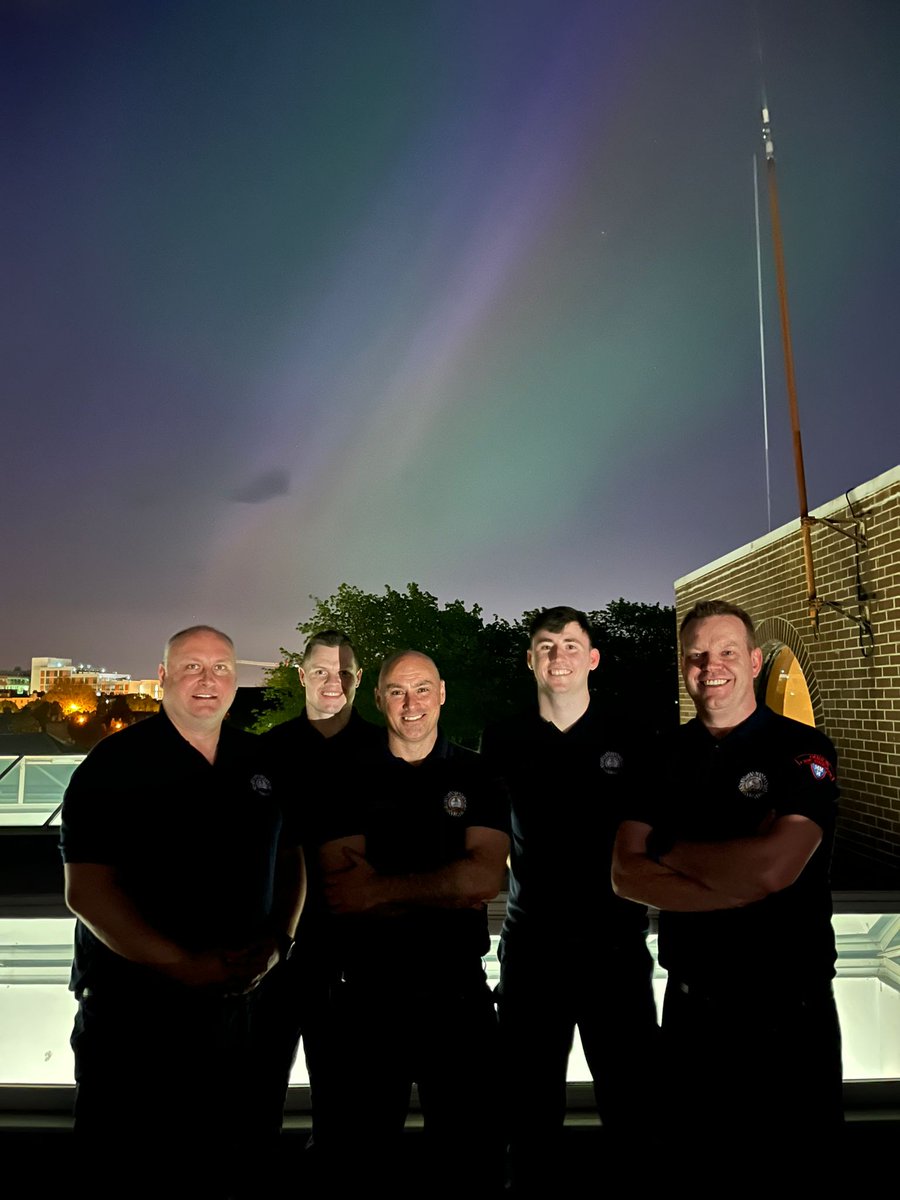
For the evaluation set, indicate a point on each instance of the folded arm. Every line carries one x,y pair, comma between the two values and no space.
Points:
636,876
750,867
352,885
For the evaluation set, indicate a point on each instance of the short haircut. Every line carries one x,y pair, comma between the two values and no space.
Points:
328,637
554,620
718,608
394,657
189,632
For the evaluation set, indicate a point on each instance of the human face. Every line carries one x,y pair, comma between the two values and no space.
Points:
199,681
562,661
719,669
330,677
410,697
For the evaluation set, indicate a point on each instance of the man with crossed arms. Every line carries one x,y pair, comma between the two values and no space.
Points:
731,840
411,856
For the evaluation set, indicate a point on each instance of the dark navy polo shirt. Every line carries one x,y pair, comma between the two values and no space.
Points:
193,843
705,788
569,791
415,817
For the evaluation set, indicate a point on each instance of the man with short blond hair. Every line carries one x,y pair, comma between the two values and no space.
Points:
732,841
314,757
186,882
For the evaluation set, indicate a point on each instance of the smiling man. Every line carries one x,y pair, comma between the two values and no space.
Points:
732,841
412,857
572,953
186,881
315,758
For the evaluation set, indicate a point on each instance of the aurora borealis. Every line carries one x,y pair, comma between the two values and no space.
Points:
454,291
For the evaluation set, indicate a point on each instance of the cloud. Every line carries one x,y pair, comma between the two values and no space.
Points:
263,487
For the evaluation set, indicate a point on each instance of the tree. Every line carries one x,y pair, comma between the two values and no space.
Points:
114,708
87,731
45,712
638,674
483,664
24,721
283,695
72,696
472,658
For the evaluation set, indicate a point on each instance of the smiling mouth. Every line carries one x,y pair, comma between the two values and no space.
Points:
418,718
560,672
715,682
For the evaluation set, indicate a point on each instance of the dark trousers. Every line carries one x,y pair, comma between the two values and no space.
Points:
441,1035
165,1096
288,1001
540,1004
754,1072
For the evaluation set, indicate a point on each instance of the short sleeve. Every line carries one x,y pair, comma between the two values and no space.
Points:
489,806
92,811
809,786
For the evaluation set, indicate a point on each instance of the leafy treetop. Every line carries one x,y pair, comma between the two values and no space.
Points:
483,663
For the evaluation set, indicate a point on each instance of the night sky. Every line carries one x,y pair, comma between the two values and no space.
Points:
454,291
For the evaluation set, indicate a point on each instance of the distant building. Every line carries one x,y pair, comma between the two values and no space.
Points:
14,683
843,677
47,672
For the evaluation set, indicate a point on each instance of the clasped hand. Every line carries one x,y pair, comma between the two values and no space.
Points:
351,888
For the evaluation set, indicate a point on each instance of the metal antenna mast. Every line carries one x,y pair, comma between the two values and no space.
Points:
762,341
813,602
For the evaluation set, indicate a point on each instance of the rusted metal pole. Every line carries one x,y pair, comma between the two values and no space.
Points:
813,602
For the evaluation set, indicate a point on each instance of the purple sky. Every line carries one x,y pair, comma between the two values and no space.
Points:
454,291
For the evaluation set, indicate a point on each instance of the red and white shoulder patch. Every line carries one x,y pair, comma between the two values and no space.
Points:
819,765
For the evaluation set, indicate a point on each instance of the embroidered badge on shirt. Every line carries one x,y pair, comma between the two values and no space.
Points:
261,785
818,764
454,804
753,785
611,762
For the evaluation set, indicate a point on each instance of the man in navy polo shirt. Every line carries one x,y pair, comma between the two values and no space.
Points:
411,856
571,952
732,841
186,884
314,757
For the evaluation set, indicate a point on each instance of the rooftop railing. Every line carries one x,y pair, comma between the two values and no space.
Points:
32,787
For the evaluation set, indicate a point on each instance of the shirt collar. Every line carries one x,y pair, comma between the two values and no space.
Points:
440,749
760,716
175,738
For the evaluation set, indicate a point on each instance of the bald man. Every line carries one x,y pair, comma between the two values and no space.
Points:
410,863
186,880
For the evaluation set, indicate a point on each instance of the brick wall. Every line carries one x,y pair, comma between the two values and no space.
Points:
856,699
